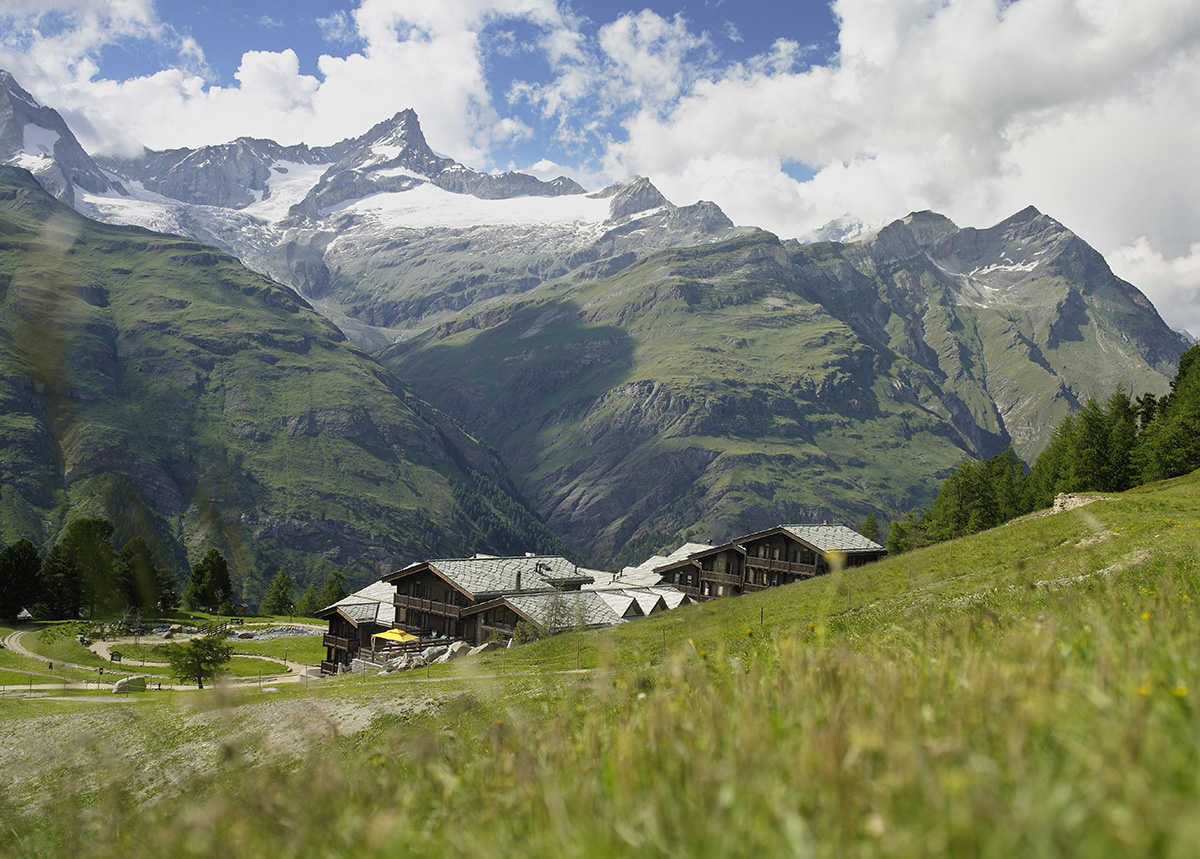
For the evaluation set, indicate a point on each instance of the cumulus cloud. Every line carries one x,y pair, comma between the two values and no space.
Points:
1088,109
1091,111
427,56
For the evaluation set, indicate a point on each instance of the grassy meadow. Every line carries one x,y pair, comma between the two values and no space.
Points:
1031,690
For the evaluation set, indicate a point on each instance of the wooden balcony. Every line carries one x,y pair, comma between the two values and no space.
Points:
442,609
805,570
336,642
329,668
721,578
751,587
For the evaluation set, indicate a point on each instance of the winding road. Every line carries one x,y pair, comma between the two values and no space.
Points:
295,671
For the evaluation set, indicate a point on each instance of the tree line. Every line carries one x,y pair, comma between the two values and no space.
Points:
86,574
1104,447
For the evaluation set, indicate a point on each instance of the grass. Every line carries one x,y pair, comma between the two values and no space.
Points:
1029,691
306,649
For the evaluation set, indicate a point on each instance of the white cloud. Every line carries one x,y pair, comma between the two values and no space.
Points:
1172,283
1088,110
337,28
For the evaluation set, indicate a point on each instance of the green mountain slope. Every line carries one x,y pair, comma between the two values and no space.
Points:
1026,691
154,381
717,390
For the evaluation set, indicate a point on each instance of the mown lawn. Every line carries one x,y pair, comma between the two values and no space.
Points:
1030,691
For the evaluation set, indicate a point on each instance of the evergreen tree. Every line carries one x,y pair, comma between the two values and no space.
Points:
136,576
60,586
870,527
278,598
1053,471
209,587
309,603
1170,445
90,550
168,589
195,592
1090,455
20,565
333,590
1122,439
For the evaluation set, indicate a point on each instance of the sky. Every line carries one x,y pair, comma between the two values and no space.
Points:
789,115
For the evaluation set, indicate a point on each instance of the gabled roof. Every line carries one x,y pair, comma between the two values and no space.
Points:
831,538
644,575
484,576
621,603
555,612
376,603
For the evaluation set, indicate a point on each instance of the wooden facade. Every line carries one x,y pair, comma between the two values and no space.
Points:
770,558
463,598
427,604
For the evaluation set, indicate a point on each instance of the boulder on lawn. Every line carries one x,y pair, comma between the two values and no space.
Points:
458,648
486,647
433,654
129,684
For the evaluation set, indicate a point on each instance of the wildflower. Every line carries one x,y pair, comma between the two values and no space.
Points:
1179,691
1145,615
1144,689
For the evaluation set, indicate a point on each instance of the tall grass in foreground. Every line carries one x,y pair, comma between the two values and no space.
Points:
1040,720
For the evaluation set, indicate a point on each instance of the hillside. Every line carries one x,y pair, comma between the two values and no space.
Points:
704,392
156,382
1024,691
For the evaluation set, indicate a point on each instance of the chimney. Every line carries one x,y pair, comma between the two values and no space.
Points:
518,579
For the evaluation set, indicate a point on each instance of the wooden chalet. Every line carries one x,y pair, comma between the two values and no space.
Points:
472,598
353,623
776,556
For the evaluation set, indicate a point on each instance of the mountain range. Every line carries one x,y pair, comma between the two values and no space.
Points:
644,372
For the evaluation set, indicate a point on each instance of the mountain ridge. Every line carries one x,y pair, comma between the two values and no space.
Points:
156,382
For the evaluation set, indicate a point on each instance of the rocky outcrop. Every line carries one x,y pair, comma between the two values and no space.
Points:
35,138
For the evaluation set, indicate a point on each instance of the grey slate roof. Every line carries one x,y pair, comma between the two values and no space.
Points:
376,603
833,538
558,611
643,574
483,576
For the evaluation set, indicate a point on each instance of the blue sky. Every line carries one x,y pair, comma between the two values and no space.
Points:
789,115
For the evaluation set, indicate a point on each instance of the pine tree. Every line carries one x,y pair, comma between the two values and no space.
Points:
333,590
209,587
90,550
168,589
1170,445
20,565
870,527
60,586
136,576
309,604
278,598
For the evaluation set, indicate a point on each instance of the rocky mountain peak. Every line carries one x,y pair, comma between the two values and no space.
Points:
634,197
929,228
12,89
35,138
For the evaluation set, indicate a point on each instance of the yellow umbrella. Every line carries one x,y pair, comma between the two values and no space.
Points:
395,635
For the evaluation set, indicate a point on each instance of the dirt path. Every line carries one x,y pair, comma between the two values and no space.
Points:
296,671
